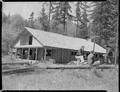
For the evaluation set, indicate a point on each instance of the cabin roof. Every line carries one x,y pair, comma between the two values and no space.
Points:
50,39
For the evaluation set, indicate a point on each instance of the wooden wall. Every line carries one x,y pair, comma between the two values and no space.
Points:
56,54
65,55
60,55
72,57
24,39
40,53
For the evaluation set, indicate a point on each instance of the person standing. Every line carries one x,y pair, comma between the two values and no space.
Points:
90,58
92,63
80,54
108,55
81,51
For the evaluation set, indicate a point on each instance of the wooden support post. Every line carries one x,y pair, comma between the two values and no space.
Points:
45,54
22,53
36,54
16,53
28,53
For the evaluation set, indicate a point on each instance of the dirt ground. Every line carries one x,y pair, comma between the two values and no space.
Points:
73,79
67,79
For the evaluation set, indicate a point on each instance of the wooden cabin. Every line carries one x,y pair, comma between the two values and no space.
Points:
40,45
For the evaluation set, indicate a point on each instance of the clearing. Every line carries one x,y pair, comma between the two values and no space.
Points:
62,79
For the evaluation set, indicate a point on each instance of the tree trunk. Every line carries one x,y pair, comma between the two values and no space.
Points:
66,28
116,50
49,16
64,20
77,28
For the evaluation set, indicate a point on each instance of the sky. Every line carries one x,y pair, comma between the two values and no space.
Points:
25,8
22,8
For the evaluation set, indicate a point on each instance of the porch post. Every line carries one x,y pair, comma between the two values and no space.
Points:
16,53
28,53
22,53
36,54
45,54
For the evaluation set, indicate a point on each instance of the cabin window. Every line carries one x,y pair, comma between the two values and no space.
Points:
49,52
73,53
30,40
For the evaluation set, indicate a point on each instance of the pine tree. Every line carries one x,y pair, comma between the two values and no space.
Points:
11,27
103,19
82,20
43,19
61,14
31,20
105,22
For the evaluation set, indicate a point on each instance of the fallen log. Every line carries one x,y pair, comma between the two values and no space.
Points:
13,71
54,66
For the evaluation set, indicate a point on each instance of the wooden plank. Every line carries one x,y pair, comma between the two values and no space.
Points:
17,70
61,66
23,61
54,66
76,67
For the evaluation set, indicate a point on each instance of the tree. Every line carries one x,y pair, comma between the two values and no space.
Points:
105,21
55,11
37,24
6,18
82,20
31,20
5,38
50,12
104,16
61,14
11,27
78,16
17,22
43,19
50,6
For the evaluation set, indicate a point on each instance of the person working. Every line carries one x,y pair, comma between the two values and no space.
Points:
90,58
91,61
108,55
80,54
